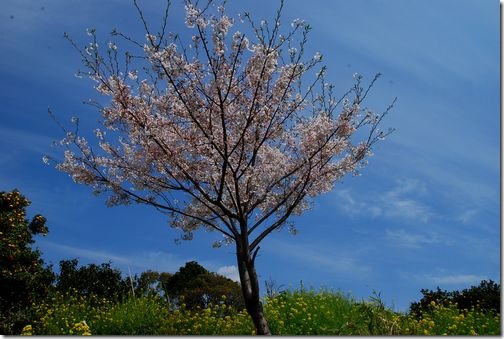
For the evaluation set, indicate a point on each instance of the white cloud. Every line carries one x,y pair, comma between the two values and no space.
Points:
153,260
139,262
470,177
404,238
398,203
317,257
406,209
347,203
230,272
467,215
87,253
413,59
450,279
24,140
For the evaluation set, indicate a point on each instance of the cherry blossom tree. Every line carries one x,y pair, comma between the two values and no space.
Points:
227,131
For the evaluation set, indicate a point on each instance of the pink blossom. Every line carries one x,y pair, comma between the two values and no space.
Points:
228,122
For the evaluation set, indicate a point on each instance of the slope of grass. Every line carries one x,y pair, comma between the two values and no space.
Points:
299,312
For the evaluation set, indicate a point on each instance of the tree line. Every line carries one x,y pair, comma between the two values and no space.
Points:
27,281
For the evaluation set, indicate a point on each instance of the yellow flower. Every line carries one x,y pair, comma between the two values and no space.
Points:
81,327
27,330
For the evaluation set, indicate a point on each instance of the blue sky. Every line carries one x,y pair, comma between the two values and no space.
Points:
424,213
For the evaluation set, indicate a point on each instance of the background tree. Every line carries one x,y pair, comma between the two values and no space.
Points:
196,286
229,132
148,283
485,297
23,278
99,280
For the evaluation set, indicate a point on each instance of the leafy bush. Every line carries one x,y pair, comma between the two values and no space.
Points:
101,281
199,287
151,283
485,298
23,278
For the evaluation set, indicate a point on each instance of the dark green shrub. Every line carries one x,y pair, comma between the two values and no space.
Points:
201,288
150,283
23,278
484,298
102,281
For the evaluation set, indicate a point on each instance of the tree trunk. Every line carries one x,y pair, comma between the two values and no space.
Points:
250,289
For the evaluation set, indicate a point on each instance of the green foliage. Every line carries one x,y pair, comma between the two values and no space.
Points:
151,283
448,319
102,281
23,278
133,316
299,312
485,298
66,313
95,299
199,287
328,313
216,319
62,311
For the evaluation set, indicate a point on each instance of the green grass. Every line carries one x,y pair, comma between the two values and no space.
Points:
299,312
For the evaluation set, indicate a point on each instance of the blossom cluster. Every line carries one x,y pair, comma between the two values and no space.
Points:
229,127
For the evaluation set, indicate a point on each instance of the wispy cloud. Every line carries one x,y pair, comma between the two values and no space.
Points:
403,238
401,202
450,279
140,261
470,177
230,272
411,58
19,139
468,215
328,260
153,260
87,253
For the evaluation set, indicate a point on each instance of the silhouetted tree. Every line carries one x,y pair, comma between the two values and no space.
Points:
23,278
100,280
151,283
484,297
199,287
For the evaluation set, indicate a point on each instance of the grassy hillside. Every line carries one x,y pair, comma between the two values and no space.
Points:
300,312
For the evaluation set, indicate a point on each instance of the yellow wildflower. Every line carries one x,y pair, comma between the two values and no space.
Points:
27,330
